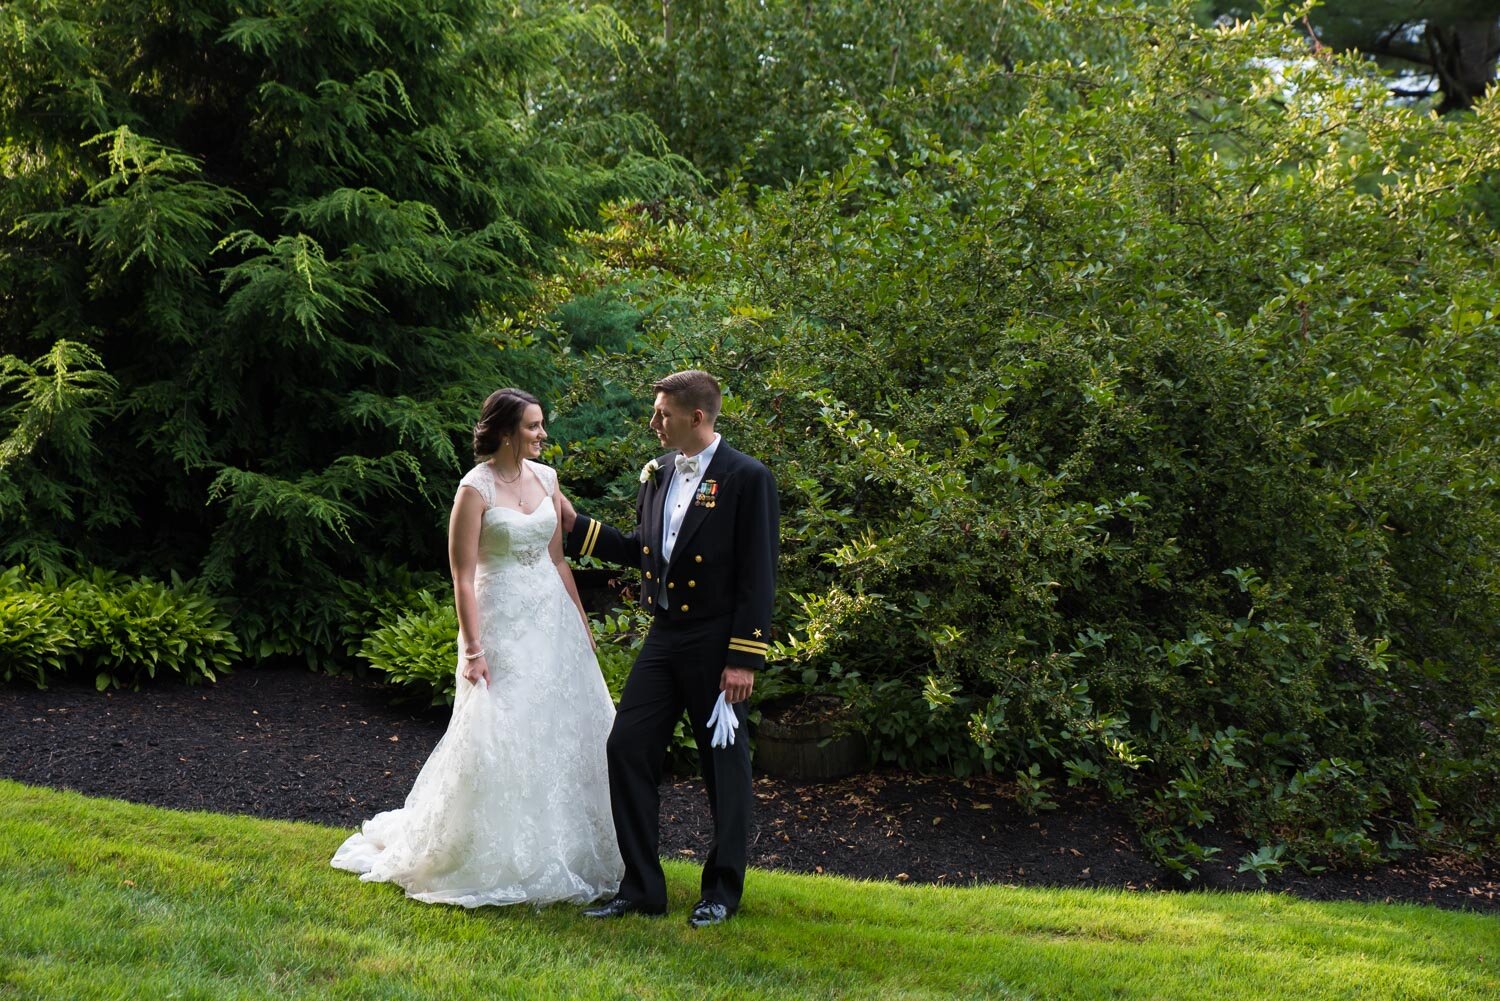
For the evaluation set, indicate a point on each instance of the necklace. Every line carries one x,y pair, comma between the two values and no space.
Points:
501,477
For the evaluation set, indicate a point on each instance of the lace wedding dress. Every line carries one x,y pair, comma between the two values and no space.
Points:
513,804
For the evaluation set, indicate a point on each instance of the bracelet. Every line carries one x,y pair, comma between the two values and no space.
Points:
474,656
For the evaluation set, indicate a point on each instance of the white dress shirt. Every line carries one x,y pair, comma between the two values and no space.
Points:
680,495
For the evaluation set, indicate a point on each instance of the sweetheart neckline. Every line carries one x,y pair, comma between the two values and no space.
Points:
525,514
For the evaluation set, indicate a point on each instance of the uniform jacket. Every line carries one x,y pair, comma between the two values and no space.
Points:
724,560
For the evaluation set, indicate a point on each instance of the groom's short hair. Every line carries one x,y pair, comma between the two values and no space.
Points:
693,388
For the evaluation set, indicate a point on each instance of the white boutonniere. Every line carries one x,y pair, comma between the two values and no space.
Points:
649,471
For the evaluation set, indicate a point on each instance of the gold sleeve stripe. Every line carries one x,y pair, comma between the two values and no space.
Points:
745,646
590,537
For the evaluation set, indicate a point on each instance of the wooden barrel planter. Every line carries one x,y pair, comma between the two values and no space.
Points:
808,737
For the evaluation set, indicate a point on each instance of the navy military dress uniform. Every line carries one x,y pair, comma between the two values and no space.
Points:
711,608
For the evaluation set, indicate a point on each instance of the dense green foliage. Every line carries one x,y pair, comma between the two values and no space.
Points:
110,629
412,645
767,90
1153,442
254,266
1131,383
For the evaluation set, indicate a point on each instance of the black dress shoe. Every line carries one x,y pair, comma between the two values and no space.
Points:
619,907
709,912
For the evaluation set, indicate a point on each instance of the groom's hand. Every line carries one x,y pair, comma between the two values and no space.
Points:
569,516
736,683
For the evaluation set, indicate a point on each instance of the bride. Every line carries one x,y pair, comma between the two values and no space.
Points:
513,804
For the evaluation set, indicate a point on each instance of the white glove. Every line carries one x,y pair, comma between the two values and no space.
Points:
723,722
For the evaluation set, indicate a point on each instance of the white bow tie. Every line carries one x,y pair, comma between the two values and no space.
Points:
687,466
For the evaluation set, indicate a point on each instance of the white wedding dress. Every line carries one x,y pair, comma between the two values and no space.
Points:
513,804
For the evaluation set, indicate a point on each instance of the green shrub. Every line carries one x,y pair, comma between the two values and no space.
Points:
380,594
618,637
1152,442
415,646
121,630
33,631
413,642
766,90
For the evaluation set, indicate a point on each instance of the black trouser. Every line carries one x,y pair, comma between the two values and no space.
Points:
679,668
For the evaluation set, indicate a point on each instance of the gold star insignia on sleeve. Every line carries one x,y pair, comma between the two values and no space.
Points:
758,634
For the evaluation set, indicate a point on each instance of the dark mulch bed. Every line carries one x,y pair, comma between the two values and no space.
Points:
289,744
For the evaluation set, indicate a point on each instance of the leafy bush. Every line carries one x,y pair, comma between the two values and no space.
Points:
381,594
766,90
1151,442
414,645
33,631
618,637
122,631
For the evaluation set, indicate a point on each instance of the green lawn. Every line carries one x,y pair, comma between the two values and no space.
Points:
102,899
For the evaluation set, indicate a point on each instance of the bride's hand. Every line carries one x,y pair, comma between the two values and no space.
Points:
477,668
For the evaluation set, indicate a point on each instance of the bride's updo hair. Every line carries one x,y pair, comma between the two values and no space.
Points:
499,418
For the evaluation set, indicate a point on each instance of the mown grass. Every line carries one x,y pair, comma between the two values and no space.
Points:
103,899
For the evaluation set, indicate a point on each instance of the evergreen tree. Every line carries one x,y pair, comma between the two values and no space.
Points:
254,261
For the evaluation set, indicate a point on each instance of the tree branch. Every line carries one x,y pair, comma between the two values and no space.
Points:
1411,54
1404,92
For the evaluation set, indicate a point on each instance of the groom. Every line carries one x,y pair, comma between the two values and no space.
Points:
705,538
